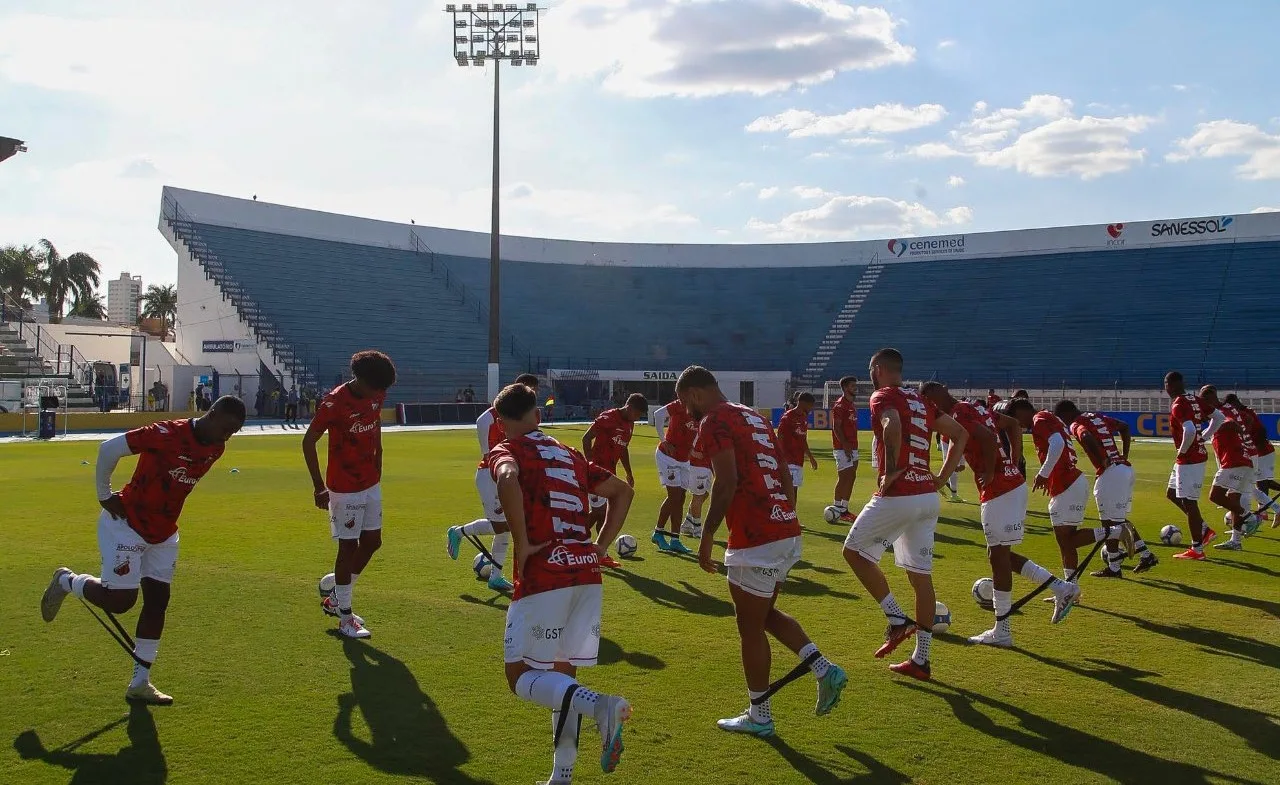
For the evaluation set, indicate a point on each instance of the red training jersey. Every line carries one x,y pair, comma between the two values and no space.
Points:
759,512
917,416
613,434
1230,446
1189,408
680,433
1233,414
992,400
844,421
1005,476
171,461
793,435
354,425
1104,429
489,430
554,481
1257,431
1043,426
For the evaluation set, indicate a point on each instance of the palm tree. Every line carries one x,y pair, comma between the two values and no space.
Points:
161,302
20,276
91,307
74,276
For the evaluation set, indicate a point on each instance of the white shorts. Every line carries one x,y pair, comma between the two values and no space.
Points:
762,569
906,522
1264,467
699,481
1113,492
562,625
842,462
1003,517
797,475
1187,480
488,490
353,513
127,558
671,473
1067,508
1237,480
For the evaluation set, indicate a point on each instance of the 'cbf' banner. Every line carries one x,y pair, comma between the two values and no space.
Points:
820,419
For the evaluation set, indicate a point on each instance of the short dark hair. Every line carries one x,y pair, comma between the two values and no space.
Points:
374,369
1019,404
515,401
1209,388
1232,399
1064,409
887,355
847,380
1174,376
806,397
230,406
1021,394
638,402
991,391
930,386
695,376
528,380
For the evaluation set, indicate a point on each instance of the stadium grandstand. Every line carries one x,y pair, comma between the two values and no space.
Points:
292,293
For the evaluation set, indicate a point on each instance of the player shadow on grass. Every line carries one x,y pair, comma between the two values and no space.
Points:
140,763
1244,565
1266,606
1071,746
691,600
812,770
408,734
1215,642
804,565
1258,728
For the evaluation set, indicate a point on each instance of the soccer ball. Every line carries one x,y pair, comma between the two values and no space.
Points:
627,546
831,514
327,585
984,592
941,618
1171,535
481,566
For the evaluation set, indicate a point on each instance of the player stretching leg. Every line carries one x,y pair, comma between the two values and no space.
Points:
553,621
1002,492
677,430
844,444
606,443
793,442
750,494
904,510
350,490
1233,482
1264,463
1187,415
489,432
138,527
699,488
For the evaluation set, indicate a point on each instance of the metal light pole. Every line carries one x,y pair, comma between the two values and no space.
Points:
483,33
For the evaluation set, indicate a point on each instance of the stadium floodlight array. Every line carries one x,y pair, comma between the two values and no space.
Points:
488,32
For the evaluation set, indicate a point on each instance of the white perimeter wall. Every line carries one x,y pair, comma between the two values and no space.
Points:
104,342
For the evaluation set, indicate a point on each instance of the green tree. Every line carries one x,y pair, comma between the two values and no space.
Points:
161,302
91,307
67,277
20,275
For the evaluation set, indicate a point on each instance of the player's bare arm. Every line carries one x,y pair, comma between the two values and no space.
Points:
588,441
891,436
958,437
1126,438
377,454
109,454
725,485
1013,430
619,495
1093,448
626,466
512,499
989,445
813,462
313,466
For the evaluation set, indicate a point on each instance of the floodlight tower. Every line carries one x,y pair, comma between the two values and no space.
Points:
491,33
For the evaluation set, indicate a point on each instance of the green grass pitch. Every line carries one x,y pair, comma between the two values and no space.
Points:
1169,677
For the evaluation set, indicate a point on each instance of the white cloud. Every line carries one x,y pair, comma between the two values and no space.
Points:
1231,139
1179,88
844,217
946,43
811,192
768,193
714,47
879,119
1044,138
955,181
1265,210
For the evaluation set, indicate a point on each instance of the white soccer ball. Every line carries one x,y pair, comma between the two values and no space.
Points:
1171,535
984,592
831,514
941,618
481,566
627,546
327,585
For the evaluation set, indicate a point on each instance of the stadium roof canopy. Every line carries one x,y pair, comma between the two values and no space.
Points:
10,146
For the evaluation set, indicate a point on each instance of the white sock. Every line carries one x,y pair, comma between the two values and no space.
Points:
566,754
1235,535
477,528
820,665
1261,498
1100,534
1002,600
1113,559
1034,572
354,576
145,649
499,548
892,610
953,482
693,520
545,688
921,654
842,505
342,593
77,584
759,712
1069,574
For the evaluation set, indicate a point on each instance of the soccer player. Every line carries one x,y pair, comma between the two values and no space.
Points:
1187,415
553,621
1233,482
489,432
793,441
677,431
1002,492
350,490
992,398
138,527
750,494
1113,486
1264,465
904,510
606,443
844,444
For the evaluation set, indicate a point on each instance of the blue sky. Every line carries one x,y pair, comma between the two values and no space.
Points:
648,120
